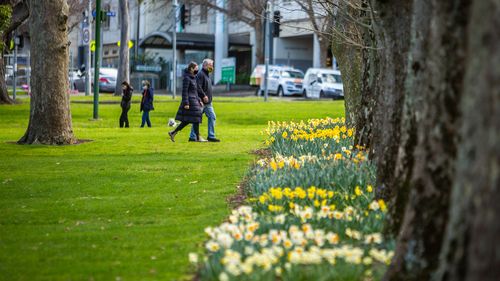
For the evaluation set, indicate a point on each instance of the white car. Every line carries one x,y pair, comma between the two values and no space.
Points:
323,82
284,81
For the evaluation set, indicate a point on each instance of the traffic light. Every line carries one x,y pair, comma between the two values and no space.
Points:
185,14
276,23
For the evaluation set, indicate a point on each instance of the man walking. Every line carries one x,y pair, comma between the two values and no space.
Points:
205,93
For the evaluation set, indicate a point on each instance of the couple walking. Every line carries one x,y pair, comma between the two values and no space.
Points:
196,101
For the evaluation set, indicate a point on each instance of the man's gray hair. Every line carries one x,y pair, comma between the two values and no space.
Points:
207,61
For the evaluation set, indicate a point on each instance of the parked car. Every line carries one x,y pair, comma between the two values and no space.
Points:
323,82
286,82
107,80
282,80
257,76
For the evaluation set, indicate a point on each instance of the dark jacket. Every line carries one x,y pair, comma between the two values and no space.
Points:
190,97
204,85
127,96
147,100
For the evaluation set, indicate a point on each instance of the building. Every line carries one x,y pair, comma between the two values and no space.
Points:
151,30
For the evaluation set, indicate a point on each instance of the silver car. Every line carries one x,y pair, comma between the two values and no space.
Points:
107,80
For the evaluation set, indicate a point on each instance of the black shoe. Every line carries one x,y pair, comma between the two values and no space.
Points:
172,135
192,140
213,140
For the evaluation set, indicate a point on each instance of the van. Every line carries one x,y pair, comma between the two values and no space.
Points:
323,82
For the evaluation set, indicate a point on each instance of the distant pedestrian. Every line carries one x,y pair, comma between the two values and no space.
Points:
191,107
205,93
125,104
146,102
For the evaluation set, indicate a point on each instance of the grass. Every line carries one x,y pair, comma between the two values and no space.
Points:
129,205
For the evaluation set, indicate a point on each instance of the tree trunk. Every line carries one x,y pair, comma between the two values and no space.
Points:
324,44
392,28
50,117
124,66
415,85
4,94
470,250
20,13
369,80
349,58
259,40
419,242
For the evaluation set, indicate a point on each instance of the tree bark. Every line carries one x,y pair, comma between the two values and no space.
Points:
369,79
50,117
4,94
415,85
420,240
124,66
470,250
392,26
349,58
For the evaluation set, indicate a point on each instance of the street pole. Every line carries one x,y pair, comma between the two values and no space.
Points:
174,51
14,82
96,57
266,53
88,64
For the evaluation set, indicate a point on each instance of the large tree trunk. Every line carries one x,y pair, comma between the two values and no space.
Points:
124,66
392,28
50,117
20,13
416,84
419,242
470,250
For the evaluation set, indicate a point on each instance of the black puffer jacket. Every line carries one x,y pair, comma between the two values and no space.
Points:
204,84
127,96
190,97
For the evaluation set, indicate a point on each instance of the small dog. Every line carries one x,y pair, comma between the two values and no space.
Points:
171,122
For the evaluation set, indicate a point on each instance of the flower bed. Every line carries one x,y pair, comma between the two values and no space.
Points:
311,213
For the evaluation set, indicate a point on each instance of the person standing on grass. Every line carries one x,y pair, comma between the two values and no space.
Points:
125,104
205,93
146,103
191,107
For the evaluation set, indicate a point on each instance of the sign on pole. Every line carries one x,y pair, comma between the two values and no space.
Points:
130,44
86,35
228,66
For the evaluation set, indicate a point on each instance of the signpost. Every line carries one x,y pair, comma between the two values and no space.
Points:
87,38
228,71
174,49
96,58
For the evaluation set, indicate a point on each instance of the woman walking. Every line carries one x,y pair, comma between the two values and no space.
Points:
125,104
146,103
191,107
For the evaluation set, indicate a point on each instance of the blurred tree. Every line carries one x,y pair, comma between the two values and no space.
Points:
124,65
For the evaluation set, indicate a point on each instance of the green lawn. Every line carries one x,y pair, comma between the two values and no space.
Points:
129,204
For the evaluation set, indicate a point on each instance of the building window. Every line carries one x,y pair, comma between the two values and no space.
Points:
203,13
105,24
